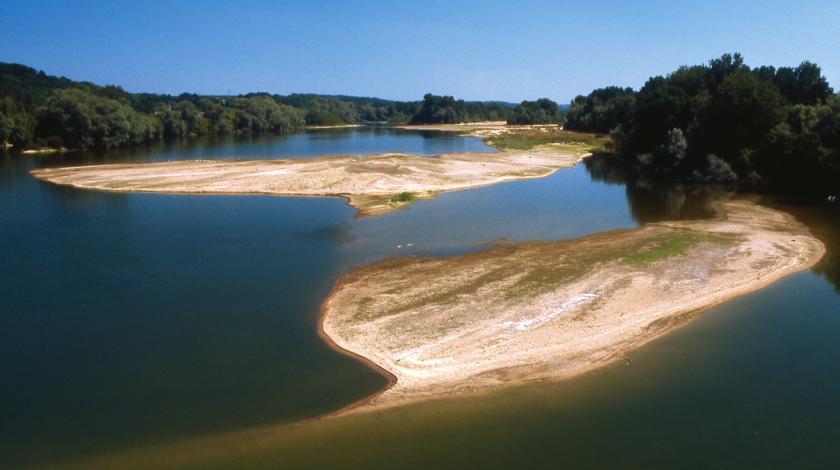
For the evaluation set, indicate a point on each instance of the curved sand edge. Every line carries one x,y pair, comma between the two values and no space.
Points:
476,322
370,183
365,400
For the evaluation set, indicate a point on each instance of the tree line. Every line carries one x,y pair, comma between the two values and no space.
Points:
542,111
41,110
763,128
448,110
37,109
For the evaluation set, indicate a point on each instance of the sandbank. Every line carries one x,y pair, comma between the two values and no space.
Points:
371,183
552,310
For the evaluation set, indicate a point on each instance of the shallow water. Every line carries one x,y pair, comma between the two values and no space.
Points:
138,319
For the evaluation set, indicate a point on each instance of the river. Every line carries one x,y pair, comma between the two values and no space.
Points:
149,321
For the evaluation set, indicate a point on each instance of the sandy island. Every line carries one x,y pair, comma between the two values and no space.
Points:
478,128
552,310
371,183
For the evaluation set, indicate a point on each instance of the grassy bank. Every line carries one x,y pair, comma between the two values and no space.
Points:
524,139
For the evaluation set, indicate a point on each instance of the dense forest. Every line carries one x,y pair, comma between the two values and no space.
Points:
448,110
542,111
763,128
37,109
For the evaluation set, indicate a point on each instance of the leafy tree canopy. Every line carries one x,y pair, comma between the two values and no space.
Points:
38,109
760,128
542,111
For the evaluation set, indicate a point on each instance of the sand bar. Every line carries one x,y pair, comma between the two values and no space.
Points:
369,182
479,129
552,310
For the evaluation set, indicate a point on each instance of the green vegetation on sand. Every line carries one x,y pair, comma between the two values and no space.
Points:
529,138
673,244
402,198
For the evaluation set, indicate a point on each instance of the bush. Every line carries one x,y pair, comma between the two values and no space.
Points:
401,198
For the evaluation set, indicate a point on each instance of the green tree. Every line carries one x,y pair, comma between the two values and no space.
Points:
542,111
804,84
601,111
78,118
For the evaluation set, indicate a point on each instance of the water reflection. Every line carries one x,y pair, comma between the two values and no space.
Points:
652,201
824,222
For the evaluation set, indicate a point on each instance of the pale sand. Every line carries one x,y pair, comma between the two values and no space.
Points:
368,182
44,151
478,129
463,127
517,313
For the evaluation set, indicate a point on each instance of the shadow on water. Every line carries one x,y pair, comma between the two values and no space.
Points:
824,222
651,201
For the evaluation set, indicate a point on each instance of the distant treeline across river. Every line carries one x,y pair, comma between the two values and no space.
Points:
40,110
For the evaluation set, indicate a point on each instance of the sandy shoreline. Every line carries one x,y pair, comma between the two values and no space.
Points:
371,183
464,128
447,326
478,129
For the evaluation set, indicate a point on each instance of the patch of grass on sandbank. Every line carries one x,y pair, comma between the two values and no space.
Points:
402,198
529,138
672,244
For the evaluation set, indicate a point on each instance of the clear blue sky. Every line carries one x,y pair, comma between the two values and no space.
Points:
508,50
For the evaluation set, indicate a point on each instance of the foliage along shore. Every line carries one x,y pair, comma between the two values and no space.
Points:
758,129
38,110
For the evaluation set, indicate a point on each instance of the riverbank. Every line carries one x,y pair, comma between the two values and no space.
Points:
373,184
473,129
538,311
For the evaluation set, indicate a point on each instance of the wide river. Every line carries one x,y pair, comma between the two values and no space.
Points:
136,327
